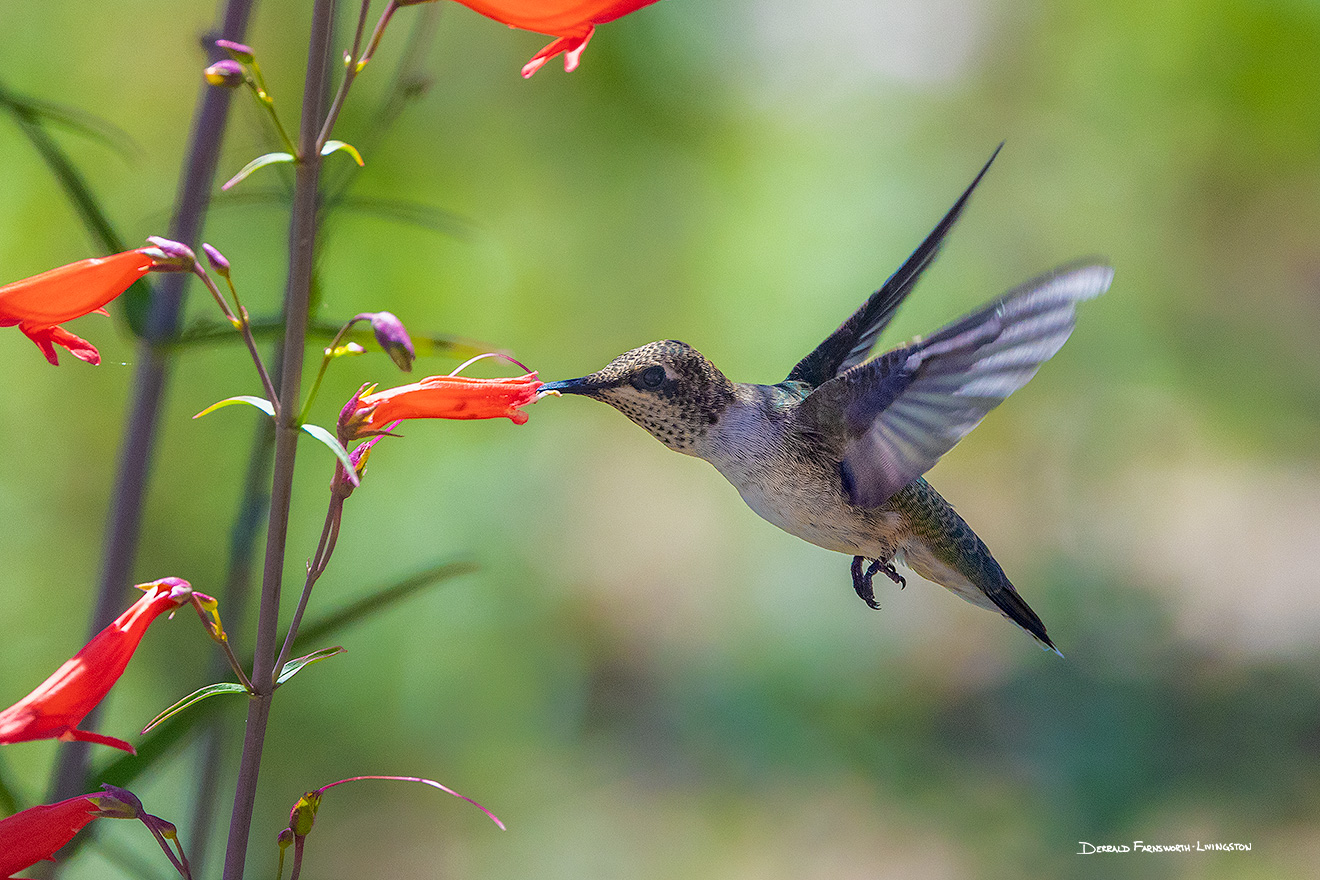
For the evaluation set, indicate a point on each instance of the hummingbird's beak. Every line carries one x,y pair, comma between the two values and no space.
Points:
569,386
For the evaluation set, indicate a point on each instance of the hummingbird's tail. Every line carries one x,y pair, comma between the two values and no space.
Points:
942,548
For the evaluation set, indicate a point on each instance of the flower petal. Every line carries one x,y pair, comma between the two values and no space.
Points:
55,708
47,338
572,46
572,21
36,833
71,291
446,397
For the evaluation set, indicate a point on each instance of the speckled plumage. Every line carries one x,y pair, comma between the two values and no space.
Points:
835,453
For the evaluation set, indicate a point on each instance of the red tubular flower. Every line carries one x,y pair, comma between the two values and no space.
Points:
55,708
572,21
33,835
38,305
442,397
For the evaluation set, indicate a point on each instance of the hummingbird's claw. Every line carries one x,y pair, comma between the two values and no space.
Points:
890,572
862,582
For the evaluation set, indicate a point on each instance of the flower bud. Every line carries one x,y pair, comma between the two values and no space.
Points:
237,51
353,415
177,255
227,74
303,814
217,260
116,803
393,337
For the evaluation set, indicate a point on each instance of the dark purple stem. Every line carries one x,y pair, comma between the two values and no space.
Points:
302,239
152,372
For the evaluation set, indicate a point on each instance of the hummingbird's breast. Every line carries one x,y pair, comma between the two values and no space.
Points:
789,481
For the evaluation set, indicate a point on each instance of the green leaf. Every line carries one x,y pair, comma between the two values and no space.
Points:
331,146
260,403
381,599
334,445
224,687
259,162
293,667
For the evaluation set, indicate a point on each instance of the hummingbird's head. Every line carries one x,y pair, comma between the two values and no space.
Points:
669,388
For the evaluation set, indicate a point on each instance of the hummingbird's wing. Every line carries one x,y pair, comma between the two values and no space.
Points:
852,342
905,409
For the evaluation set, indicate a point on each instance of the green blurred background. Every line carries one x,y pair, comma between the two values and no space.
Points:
643,679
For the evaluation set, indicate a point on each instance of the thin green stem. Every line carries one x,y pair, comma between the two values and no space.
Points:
325,365
257,84
244,327
355,64
302,240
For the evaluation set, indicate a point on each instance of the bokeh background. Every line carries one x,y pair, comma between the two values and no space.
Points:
641,677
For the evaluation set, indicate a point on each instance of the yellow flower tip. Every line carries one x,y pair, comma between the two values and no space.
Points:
227,74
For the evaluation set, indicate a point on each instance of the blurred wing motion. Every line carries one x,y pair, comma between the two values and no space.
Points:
904,410
848,346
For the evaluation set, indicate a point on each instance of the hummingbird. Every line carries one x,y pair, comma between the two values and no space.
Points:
836,452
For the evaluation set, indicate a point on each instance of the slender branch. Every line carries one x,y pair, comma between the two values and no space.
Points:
302,239
244,327
326,357
150,377
354,65
257,83
350,73
324,549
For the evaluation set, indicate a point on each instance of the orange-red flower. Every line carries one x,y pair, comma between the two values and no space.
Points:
34,834
38,305
572,21
441,397
55,708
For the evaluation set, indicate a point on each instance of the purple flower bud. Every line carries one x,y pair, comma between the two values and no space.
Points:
350,418
227,74
175,250
393,337
117,803
237,51
217,260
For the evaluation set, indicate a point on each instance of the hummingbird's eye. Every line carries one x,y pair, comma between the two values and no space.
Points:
653,377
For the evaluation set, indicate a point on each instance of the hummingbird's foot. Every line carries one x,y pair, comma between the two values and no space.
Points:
862,582
890,572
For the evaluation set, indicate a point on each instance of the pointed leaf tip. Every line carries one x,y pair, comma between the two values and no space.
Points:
293,667
334,446
332,146
259,162
260,403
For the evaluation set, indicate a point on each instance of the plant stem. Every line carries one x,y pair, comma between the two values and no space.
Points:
151,374
329,535
243,325
355,65
302,239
